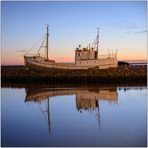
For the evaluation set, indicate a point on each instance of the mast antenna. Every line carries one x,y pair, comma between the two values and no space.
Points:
97,39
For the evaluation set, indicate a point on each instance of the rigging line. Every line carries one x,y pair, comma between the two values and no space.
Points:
45,119
97,115
36,113
94,43
41,46
34,45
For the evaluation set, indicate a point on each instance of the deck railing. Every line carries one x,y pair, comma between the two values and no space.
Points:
107,56
34,55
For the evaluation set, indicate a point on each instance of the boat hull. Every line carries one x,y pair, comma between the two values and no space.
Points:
43,65
104,93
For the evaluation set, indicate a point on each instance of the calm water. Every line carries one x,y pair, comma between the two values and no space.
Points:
104,116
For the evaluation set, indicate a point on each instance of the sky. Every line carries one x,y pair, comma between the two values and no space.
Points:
122,26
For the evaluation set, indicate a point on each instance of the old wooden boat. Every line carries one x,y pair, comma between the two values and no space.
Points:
85,58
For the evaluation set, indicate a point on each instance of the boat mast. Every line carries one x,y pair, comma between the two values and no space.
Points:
97,40
47,35
48,115
99,116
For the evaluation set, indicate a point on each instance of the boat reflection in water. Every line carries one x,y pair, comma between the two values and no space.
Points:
86,99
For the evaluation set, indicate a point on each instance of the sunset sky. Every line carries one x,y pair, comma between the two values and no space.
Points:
122,26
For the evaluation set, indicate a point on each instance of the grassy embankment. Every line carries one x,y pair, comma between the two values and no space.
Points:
123,74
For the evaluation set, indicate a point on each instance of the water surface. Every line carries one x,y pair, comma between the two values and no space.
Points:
100,116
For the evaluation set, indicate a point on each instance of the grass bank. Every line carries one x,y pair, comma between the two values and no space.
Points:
122,74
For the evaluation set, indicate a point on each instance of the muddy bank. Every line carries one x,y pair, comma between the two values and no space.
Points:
120,75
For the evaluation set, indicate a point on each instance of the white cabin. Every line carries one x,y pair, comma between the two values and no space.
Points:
85,54
89,57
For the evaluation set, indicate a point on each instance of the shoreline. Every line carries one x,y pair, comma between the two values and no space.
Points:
55,86
121,75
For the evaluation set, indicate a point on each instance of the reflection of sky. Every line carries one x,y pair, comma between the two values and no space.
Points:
122,124
122,26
